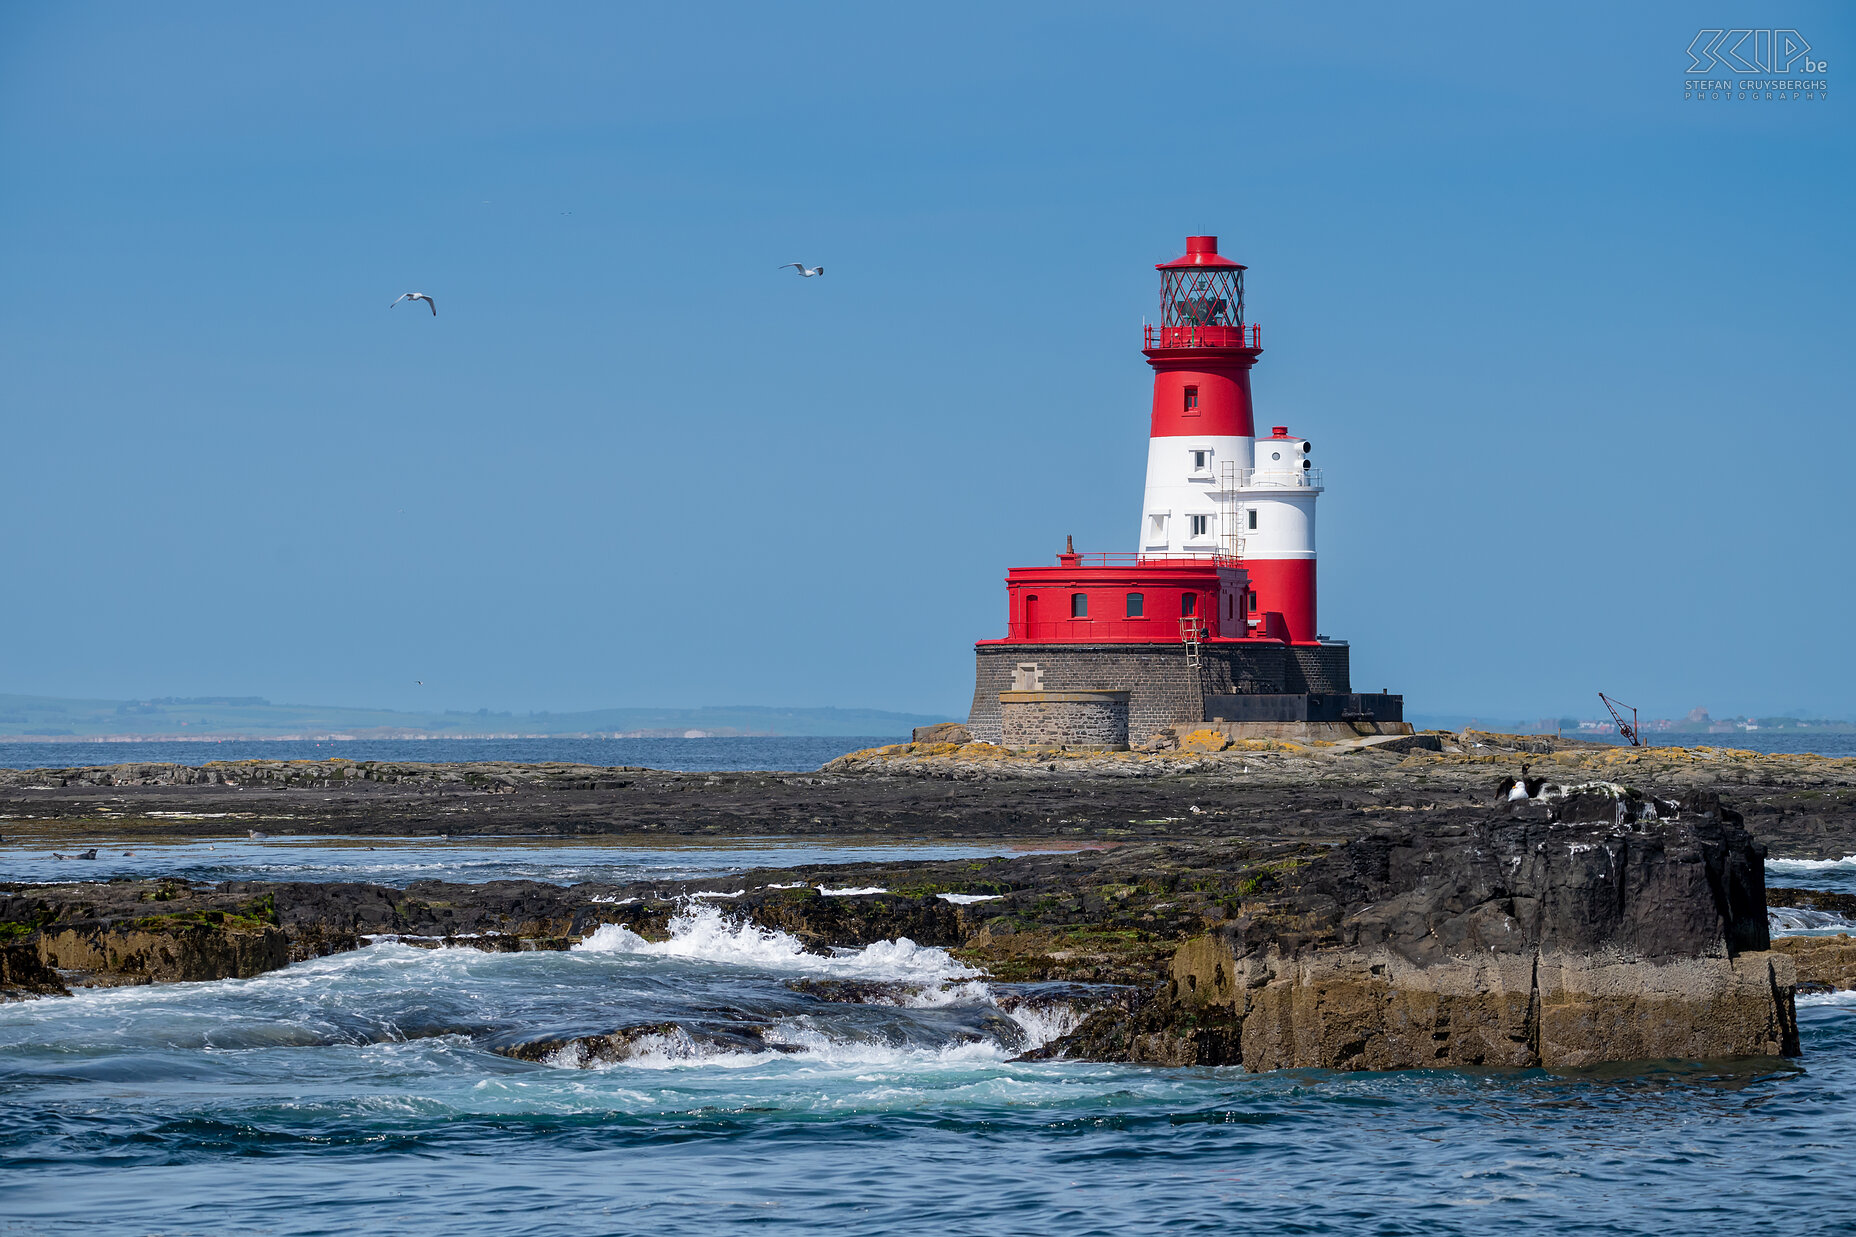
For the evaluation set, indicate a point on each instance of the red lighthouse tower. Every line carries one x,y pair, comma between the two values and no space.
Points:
1213,616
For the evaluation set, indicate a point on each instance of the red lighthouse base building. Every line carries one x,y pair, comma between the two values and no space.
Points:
1213,619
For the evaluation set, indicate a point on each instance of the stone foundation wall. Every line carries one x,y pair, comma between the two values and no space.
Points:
1163,690
1324,670
1073,719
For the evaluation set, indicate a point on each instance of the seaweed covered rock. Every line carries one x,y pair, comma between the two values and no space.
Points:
1521,941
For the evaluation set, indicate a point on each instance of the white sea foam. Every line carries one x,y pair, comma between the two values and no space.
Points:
813,1048
971,992
1810,865
1044,1023
609,900
716,893
1802,921
968,899
850,892
703,933
1843,997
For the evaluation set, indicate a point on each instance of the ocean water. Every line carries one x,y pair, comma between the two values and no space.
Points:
1837,875
399,861
718,755
714,755
1792,742
362,1093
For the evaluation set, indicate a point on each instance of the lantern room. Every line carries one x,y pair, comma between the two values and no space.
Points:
1201,299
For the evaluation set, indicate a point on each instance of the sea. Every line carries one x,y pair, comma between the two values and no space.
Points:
720,754
361,1093
717,754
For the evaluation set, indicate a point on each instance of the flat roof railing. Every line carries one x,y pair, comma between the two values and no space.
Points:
1128,558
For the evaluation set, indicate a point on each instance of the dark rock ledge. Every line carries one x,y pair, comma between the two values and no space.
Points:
1606,925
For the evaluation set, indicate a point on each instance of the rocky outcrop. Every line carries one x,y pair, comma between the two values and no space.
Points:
159,950
1824,963
24,974
1803,806
1525,941
117,933
1599,924
134,933
676,1040
941,732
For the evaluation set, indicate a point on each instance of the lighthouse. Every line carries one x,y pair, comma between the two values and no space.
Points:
1212,487
1212,617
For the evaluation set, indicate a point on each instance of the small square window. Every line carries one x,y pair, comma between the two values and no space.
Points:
1192,399
1136,603
1199,524
1201,460
1079,605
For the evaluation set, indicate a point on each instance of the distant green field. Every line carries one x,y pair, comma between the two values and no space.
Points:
252,717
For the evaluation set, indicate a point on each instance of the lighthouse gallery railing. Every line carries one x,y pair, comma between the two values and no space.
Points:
1250,336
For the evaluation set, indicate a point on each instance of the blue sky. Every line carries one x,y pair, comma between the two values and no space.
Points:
1575,354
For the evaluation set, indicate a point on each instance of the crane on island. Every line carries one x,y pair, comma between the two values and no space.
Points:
1626,728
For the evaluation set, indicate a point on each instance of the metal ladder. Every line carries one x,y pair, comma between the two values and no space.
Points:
1191,631
1230,511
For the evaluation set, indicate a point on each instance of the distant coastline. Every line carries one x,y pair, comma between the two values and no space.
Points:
220,719
387,735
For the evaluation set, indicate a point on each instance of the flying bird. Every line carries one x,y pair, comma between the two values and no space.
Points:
418,296
802,268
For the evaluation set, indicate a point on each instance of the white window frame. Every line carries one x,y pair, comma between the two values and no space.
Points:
1198,526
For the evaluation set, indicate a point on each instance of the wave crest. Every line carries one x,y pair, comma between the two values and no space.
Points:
701,932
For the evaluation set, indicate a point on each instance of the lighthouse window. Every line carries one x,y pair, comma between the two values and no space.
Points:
1192,398
1189,604
1199,524
1253,519
1201,460
1079,605
1135,604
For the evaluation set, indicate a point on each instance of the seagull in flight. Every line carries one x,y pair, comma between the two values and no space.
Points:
802,268
418,296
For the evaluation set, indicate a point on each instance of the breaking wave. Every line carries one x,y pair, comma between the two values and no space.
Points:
702,933
1847,863
1802,921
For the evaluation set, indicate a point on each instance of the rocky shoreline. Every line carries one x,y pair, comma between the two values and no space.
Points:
1392,918
1204,787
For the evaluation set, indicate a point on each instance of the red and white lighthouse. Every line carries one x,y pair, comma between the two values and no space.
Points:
1224,568
1212,487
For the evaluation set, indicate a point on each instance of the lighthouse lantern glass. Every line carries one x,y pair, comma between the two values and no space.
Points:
1190,298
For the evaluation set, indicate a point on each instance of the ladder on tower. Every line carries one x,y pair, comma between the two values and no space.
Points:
1230,510
1191,632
